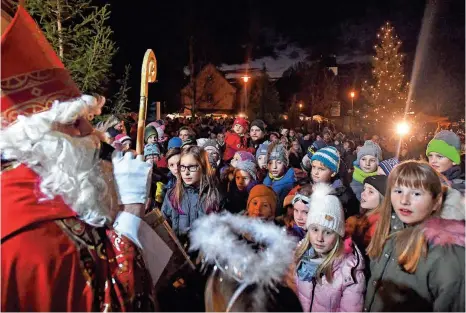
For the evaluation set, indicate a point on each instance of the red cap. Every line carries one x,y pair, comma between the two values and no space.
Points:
243,122
32,74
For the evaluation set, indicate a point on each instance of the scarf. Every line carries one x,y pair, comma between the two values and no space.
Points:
308,265
359,175
275,178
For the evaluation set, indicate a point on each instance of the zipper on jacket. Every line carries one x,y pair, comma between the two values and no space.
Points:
313,291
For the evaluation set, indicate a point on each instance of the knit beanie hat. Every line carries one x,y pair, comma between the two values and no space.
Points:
246,156
243,122
275,134
212,144
158,124
175,142
329,156
388,165
325,209
289,197
160,132
121,138
379,182
446,143
370,148
316,146
262,150
150,131
306,164
277,151
249,167
151,149
263,191
260,124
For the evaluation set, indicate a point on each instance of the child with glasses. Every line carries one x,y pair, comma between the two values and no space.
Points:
194,195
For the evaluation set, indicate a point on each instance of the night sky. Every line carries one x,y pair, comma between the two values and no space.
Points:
233,31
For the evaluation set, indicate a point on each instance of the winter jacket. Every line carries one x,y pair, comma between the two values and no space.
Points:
192,207
305,144
233,143
295,160
438,282
346,167
455,178
282,187
344,294
236,200
169,185
361,229
357,188
347,198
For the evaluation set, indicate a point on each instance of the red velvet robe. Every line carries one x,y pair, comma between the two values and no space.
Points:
51,261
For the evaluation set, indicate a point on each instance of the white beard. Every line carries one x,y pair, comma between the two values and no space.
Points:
69,166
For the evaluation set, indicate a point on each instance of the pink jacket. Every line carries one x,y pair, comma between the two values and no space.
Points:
345,294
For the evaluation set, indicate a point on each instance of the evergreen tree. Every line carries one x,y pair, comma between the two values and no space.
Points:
387,95
314,84
79,33
120,100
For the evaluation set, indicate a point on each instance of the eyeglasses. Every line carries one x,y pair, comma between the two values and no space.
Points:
303,199
190,168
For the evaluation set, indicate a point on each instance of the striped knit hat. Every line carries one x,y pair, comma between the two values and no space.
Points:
329,156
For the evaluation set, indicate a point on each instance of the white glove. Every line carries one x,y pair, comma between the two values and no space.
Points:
132,177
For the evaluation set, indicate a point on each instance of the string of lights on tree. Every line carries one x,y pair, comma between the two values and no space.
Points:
387,93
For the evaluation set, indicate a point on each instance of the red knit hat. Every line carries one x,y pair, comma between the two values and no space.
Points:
243,122
32,74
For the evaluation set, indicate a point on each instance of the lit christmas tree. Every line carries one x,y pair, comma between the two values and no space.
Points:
387,95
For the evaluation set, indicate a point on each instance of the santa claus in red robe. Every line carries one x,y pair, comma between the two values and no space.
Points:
70,223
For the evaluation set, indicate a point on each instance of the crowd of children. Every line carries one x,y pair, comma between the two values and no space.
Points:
374,234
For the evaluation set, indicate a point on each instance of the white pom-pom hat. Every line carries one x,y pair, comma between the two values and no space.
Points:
326,210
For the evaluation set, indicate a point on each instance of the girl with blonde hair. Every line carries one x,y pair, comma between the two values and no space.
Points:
417,251
329,275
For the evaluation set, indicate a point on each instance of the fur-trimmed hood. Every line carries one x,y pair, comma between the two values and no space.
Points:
453,207
439,231
449,227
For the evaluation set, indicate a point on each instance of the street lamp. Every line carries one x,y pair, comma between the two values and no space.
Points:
352,94
245,80
300,105
402,129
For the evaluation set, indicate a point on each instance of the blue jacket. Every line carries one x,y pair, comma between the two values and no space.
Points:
192,207
170,184
282,187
